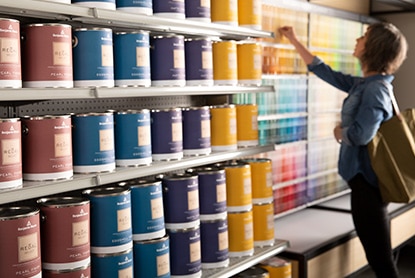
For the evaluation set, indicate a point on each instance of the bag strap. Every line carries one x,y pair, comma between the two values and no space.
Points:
394,102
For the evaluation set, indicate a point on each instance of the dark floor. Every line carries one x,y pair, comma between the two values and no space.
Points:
406,264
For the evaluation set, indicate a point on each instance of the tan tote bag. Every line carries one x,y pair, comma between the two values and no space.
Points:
392,155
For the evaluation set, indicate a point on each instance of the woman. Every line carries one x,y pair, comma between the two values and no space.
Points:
381,51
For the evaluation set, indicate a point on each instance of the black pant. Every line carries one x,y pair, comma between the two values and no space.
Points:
372,224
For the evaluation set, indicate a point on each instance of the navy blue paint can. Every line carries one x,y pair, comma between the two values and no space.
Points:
181,200
93,142
111,230
185,252
167,134
93,61
214,243
169,8
146,209
199,62
167,59
198,10
152,258
132,137
113,265
136,6
196,131
132,59
212,192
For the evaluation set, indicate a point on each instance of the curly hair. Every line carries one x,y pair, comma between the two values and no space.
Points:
385,48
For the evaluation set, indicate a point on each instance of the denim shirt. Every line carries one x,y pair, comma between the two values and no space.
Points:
367,105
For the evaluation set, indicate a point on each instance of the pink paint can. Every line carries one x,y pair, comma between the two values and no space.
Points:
10,154
20,242
10,60
65,233
47,145
47,55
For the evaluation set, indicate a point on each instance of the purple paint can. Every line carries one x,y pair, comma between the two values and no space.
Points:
181,200
167,134
214,243
196,131
185,252
212,192
199,62
169,8
198,10
167,61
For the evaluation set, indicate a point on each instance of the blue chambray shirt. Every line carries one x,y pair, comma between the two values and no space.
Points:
367,105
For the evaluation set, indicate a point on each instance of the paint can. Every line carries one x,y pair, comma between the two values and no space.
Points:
181,200
238,185
111,230
83,272
47,147
147,213
167,61
261,177
93,60
64,233
10,62
199,61
247,125
132,137
132,59
225,63
152,258
101,4
47,55
169,8
119,264
214,243
277,267
20,242
198,10
212,192
264,232
11,153
250,14
93,142
223,128
249,61
137,7
196,131
166,134
241,233
185,252
224,12
253,272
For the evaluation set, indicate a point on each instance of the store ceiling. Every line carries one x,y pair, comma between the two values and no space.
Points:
388,6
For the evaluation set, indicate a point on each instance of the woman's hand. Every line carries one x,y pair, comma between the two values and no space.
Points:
337,131
288,32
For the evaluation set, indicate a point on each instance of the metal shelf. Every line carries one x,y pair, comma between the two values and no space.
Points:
27,94
304,6
73,13
32,190
237,265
